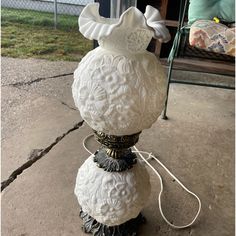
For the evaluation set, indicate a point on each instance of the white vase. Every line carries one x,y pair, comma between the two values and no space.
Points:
120,87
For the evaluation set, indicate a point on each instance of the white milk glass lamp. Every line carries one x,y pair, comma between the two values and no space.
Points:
119,89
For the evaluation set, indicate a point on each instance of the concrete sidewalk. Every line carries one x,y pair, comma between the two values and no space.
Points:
42,135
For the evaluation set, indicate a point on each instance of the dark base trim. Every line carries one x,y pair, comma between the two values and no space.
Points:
114,165
129,228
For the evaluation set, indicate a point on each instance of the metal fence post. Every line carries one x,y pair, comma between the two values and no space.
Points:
55,14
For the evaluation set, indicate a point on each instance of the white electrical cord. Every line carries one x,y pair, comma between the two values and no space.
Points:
178,181
150,156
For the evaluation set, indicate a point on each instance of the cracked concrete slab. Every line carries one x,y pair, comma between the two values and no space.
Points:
47,190
19,84
34,114
31,122
37,154
16,70
59,89
196,143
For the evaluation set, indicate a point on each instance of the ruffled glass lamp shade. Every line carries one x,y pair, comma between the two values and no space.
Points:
119,89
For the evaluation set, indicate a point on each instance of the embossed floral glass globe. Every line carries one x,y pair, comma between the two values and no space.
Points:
119,89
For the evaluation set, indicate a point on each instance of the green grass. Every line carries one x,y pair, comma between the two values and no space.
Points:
30,17
30,34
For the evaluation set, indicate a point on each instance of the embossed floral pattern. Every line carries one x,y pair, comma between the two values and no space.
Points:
112,198
138,40
94,98
106,72
115,91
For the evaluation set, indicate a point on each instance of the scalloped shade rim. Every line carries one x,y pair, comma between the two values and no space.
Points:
95,27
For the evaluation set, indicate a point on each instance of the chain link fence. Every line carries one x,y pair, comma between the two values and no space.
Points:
53,13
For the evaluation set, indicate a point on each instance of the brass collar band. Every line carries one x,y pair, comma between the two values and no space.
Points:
116,142
115,153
